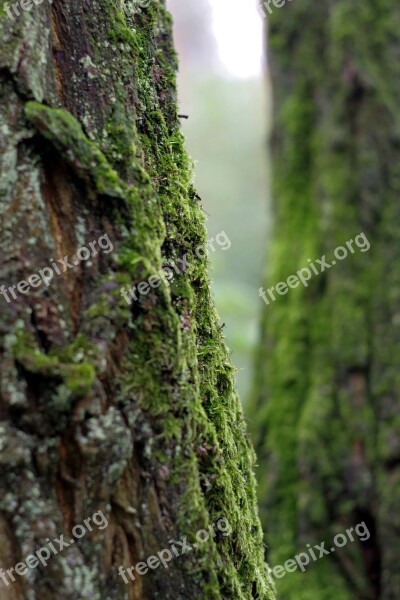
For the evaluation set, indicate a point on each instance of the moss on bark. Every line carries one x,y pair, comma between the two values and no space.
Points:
126,409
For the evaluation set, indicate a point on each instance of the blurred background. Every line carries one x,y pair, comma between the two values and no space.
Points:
224,90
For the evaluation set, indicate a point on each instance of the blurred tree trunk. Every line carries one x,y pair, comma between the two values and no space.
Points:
130,410
326,400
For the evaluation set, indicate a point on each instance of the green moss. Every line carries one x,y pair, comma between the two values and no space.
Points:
80,378
65,366
177,337
65,133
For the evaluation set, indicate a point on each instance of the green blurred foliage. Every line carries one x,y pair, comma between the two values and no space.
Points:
227,138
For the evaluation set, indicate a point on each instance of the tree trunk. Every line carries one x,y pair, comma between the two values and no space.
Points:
127,409
327,393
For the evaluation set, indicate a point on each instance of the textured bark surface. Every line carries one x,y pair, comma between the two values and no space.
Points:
130,410
328,413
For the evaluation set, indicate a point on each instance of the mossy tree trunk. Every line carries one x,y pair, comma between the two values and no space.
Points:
128,410
326,399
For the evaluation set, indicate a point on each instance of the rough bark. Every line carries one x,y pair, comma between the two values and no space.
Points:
130,410
326,399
